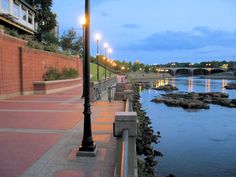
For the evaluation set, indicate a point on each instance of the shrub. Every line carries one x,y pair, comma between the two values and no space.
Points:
69,73
12,33
2,27
55,74
35,45
51,48
52,74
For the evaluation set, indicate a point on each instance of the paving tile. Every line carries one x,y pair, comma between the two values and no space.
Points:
104,120
55,154
101,127
19,151
69,173
103,138
40,120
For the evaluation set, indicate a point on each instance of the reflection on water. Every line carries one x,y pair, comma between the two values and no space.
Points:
191,82
173,82
224,83
161,82
208,85
140,88
195,144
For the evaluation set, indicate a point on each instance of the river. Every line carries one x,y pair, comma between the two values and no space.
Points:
195,143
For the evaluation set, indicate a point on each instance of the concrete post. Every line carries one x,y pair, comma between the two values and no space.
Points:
126,121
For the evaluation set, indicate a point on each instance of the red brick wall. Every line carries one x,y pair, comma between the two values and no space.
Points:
34,64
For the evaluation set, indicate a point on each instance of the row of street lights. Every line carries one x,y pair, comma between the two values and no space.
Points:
107,50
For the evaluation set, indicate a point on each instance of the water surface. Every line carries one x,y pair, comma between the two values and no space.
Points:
196,143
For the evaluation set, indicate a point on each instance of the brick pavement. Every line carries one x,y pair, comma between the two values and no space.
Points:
39,136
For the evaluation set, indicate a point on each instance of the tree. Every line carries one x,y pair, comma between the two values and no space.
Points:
44,17
72,43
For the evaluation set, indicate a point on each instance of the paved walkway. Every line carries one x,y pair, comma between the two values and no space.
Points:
39,136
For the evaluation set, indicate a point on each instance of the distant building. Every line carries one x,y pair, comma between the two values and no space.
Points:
19,15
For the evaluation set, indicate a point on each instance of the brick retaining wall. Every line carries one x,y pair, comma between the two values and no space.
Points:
20,66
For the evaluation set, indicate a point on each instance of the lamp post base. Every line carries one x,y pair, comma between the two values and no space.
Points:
90,151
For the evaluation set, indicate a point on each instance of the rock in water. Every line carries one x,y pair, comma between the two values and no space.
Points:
196,100
167,87
231,86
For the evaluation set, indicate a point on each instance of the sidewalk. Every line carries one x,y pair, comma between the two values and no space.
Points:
39,136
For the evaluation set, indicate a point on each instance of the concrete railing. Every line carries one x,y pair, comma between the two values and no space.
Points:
125,130
97,89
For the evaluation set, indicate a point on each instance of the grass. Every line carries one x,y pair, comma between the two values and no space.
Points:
93,71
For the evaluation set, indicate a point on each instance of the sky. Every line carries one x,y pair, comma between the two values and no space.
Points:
157,31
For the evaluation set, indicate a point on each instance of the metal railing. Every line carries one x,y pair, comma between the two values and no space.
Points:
124,154
111,92
100,88
97,94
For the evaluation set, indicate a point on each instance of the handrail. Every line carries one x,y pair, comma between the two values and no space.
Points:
125,130
127,105
124,154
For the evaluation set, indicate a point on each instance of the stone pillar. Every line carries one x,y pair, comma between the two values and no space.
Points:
126,121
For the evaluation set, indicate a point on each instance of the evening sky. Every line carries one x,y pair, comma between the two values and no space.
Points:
158,31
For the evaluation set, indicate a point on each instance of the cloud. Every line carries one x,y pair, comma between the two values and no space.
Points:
131,26
197,38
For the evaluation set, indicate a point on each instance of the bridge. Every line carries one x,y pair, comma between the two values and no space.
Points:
190,70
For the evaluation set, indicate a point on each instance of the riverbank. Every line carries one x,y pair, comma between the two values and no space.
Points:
145,140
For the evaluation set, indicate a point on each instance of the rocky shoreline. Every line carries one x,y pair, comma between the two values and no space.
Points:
146,137
196,100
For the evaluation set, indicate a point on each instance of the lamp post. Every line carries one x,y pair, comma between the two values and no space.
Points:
109,52
98,37
105,47
83,21
88,146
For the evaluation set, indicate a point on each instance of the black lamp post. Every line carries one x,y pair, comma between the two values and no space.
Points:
88,146
83,21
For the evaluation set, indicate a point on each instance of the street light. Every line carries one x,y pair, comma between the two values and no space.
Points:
88,146
97,37
105,47
83,22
